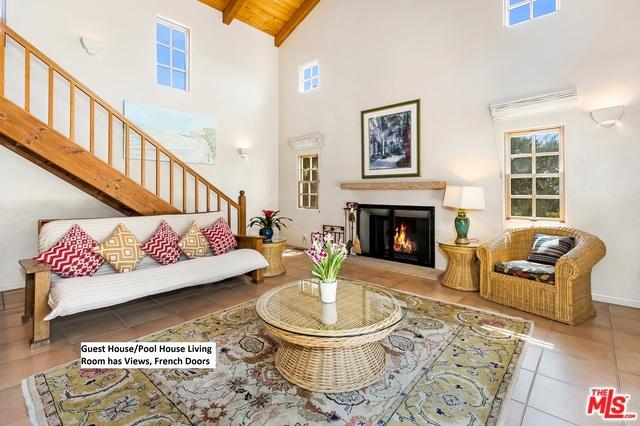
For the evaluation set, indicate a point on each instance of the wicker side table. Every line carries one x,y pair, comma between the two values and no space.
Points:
462,266
273,253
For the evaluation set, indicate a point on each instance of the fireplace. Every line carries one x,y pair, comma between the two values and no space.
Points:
399,233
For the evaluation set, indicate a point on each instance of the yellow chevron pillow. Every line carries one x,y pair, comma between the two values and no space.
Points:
194,244
122,250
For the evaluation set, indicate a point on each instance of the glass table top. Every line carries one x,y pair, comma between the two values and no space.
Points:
360,309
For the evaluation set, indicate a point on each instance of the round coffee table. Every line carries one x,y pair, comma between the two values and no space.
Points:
330,347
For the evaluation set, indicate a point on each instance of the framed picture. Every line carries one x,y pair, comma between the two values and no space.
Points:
391,141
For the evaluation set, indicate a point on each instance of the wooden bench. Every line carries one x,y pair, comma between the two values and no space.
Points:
38,283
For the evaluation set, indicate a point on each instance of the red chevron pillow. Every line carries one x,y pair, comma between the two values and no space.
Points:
220,236
72,256
163,245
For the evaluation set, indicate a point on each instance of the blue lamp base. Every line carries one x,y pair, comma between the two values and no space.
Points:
462,227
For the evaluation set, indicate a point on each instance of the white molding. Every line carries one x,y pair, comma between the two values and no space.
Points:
549,102
616,300
309,141
11,286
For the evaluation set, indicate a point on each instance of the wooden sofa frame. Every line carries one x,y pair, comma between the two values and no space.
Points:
38,283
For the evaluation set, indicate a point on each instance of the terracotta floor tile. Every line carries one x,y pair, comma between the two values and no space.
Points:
533,417
515,411
134,306
21,349
562,400
200,311
601,307
630,384
14,371
12,406
156,325
14,296
523,386
626,341
624,311
586,350
626,325
135,317
531,357
586,330
11,320
77,331
576,372
15,333
628,361
176,306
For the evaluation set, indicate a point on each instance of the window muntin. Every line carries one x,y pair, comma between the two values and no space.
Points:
518,11
308,181
535,174
172,55
309,76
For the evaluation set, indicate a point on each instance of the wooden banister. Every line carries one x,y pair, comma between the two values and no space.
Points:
95,101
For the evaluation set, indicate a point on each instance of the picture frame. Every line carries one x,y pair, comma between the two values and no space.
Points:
391,140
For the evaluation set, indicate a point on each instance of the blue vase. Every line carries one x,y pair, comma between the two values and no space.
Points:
267,233
462,227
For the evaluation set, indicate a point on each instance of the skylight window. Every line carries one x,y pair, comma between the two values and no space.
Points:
518,11
172,55
309,76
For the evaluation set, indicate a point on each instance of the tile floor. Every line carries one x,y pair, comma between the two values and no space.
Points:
561,363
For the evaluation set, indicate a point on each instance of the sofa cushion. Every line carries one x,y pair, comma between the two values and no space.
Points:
548,249
143,227
163,245
220,237
122,250
528,270
72,256
194,244
73,295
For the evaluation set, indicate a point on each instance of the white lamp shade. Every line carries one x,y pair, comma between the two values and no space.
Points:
464,197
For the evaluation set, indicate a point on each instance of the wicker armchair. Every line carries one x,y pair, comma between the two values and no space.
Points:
568,300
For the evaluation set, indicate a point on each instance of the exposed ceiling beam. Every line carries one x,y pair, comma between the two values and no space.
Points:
305,8
231,10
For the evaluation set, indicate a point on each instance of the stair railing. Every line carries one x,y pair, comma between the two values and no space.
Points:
186,173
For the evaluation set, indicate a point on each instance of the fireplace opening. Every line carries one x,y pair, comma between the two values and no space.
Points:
399,233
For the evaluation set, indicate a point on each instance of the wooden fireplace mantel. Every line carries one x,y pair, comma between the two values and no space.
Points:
372,186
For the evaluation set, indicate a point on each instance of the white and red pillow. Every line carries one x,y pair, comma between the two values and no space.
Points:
163,245
73,255
220,237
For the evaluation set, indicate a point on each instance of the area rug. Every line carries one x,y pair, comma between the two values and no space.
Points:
447,365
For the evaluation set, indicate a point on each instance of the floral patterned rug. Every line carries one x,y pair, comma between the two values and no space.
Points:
447,365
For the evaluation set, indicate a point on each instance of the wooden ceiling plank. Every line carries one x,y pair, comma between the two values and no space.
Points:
305,8
231,10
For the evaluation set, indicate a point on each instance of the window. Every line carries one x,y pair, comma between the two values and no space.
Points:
3,11
518,11
309,76
535,175
308,181
172,55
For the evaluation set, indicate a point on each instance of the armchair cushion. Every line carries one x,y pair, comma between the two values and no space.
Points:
528,270
548,249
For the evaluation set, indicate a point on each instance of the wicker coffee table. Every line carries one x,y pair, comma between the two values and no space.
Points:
330,347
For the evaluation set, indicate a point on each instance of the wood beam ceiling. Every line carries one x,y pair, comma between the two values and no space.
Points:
305,8
231,10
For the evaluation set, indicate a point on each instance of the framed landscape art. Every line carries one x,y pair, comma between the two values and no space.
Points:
391,141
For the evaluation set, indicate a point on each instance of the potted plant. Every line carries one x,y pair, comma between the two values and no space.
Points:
327,256
267,222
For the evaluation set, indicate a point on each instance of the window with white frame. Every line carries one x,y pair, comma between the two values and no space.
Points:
309,76
518,11
172,55
308,181
535,174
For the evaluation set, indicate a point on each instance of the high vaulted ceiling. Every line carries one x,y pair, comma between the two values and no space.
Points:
276,17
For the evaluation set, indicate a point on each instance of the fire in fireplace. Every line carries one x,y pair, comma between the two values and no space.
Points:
402,242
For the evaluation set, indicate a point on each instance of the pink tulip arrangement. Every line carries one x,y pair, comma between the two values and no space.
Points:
327,256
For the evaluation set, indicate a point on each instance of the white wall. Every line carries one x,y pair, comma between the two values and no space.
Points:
457,57
234,72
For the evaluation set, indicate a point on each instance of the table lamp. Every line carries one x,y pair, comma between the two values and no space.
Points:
463,198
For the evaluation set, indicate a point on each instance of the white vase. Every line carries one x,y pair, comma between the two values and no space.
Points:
328,292
329,313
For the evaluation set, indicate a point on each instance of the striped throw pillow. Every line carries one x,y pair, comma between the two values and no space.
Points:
548,249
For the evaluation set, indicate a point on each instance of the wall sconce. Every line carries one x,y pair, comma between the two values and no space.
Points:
243,152
92,46
607,117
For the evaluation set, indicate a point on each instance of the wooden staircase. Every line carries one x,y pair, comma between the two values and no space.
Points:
155,183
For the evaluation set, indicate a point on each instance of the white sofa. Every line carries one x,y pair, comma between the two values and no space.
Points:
68,296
